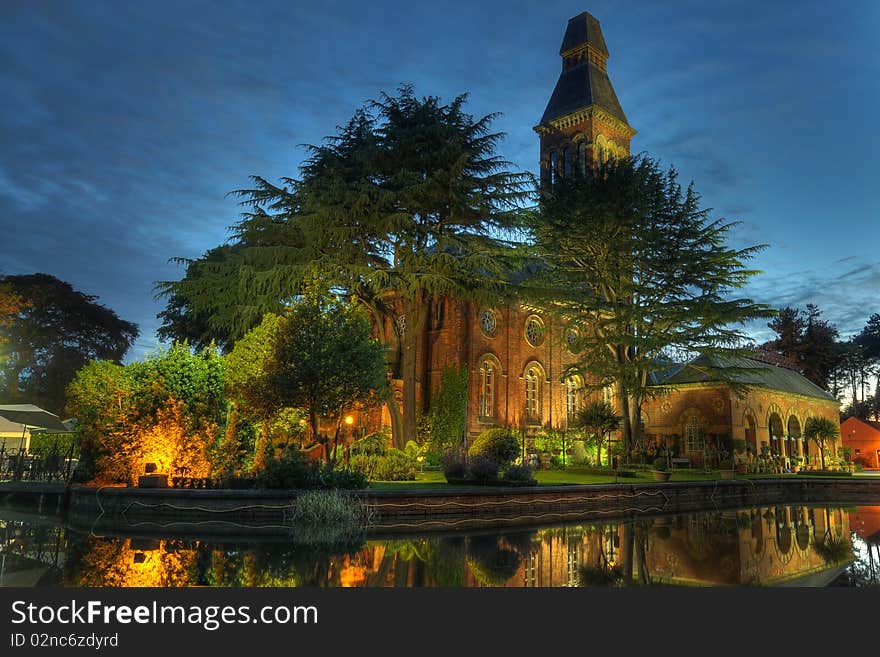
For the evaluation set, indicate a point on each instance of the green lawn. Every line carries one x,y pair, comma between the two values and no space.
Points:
426,480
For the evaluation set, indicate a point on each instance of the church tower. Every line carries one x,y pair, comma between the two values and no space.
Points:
584,122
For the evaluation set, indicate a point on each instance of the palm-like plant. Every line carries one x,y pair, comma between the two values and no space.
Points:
600,420
823,432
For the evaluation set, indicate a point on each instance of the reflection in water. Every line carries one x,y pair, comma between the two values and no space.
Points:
782,545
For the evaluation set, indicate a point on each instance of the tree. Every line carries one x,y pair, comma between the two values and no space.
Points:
319,356
55,331
823,432
808,341
789,325
645,276
165,409
11,305
600,420
393,211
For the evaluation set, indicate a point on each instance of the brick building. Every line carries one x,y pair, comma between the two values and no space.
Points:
699,411
864,438
516,356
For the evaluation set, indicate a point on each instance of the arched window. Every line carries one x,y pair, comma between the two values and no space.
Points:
608,395
488,373
533,378
554,167
572,397
774,427
568,162
582,158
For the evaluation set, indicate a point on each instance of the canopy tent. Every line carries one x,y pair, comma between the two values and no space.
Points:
33,418
19,421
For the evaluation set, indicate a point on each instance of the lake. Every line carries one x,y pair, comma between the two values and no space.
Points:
782,545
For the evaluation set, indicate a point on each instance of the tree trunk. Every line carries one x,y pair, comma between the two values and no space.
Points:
630,412
415,318
626,555
396,421
313,423
391,404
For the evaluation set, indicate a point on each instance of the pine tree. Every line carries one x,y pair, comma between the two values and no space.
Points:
644,274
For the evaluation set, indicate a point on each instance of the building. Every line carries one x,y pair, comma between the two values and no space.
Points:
698,411
516,356
863,437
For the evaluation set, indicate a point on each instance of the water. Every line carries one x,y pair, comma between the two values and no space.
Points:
766,546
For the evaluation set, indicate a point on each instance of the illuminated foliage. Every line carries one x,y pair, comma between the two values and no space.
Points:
128,563
168,408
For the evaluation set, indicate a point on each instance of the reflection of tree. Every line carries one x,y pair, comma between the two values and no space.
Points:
604,571
492,561
115,562
833,546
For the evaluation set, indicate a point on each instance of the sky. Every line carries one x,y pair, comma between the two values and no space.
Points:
124,125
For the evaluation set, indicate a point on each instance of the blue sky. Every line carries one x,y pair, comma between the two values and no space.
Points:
125,124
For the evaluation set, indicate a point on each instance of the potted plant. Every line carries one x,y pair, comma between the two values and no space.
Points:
661,470
726,468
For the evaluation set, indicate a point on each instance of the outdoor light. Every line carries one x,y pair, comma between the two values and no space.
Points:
349,420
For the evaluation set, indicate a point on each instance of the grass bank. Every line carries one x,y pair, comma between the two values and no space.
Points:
433,480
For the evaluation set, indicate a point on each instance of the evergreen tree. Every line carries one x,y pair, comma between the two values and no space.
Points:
393,210
808,341
636,264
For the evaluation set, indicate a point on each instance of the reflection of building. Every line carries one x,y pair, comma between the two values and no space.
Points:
768,546
700,409
863,437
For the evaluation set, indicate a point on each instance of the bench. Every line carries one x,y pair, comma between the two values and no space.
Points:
680,463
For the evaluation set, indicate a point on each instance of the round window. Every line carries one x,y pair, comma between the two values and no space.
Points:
534,331
571,338
488,322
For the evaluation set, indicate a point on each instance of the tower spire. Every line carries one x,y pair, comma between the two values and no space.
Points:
583,121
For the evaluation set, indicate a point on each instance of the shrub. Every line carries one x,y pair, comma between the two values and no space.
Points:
579,453
373,443
483,468
661,463
393,465
292,470
396,465
325,477
499,445
454,466
44,444
519,474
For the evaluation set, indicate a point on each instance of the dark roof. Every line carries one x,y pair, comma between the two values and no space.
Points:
584,84
746,371
583,29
